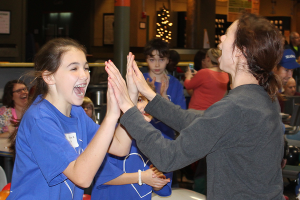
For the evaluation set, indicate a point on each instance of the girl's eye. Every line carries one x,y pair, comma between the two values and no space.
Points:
87,68
161,60
74,69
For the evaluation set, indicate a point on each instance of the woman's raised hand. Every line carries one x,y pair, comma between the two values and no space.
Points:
119,87
132,89
142,84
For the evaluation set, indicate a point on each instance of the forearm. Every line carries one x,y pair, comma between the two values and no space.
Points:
83,169
170,114
121,143
126,178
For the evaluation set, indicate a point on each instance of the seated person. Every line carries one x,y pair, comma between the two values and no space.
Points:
290,88
15,99
286,66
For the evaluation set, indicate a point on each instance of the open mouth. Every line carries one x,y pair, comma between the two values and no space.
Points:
80,89
24,97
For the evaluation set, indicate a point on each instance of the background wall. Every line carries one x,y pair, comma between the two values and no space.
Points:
17,31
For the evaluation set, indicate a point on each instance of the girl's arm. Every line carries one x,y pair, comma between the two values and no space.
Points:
148,177
82,170
121,143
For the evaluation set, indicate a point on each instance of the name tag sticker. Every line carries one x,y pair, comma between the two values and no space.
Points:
72,138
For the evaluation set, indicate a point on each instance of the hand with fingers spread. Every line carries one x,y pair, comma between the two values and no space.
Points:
119,86
164,86
132,89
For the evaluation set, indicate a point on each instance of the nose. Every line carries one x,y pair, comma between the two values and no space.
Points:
84,74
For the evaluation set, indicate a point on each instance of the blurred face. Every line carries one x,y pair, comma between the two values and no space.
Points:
290,87
141,104
206,62
72,78
296,39
228,59
156,64
20,95
284,74
88,109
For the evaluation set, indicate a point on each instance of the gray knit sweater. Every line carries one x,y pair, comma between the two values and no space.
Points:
242,136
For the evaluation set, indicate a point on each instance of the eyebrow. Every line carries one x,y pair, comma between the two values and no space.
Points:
77,63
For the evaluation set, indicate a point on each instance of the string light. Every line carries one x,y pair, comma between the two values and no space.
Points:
163,25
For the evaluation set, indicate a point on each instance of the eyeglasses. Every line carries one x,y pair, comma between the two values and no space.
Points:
19,91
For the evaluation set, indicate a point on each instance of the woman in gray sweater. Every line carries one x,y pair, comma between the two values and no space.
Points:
241,135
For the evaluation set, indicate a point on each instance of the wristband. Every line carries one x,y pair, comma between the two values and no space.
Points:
140,177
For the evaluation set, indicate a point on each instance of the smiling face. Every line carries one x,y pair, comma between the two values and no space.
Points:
141,104
156,64
71,79
228,59
20,95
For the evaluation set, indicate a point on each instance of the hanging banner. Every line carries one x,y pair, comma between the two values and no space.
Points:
235,7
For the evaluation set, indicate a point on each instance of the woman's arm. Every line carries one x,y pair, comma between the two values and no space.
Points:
195,140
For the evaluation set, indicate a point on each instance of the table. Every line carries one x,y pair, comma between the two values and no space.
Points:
6,158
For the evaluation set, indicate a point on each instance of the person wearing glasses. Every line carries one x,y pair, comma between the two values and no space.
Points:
14,99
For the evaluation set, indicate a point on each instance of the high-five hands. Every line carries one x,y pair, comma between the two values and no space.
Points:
132,89
118,84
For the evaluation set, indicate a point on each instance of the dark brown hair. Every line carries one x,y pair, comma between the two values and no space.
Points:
7,98
261,44
157,44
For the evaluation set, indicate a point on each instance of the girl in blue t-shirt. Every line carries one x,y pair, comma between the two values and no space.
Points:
131,177
58,147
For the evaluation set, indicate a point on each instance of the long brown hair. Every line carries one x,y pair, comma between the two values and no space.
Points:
261,44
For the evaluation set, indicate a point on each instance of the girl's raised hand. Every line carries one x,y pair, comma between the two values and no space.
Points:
142,84
113,109
119,86
132,89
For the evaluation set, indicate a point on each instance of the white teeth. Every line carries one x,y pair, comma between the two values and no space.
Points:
81,85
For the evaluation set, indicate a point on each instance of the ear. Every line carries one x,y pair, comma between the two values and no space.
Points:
238,52
48,77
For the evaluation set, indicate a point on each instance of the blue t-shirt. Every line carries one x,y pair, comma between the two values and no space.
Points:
47,142
175,94
113,166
